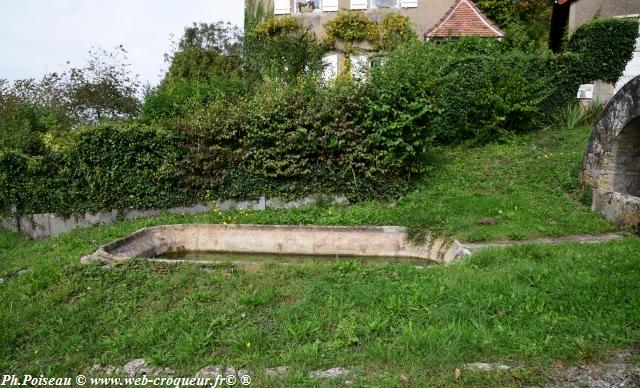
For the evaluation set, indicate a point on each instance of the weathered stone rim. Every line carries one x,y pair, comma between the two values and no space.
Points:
352,241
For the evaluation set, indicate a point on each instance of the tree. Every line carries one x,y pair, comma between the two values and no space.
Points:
284,49
528,20
30,108
205,52
104,89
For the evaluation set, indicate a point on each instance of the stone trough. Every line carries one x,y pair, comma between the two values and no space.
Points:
365,241
611,166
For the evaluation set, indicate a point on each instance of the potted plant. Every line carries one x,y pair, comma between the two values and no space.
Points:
305,5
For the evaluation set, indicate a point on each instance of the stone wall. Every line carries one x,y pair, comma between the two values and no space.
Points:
39,226
583,11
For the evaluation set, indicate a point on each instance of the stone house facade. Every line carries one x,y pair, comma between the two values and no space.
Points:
431,19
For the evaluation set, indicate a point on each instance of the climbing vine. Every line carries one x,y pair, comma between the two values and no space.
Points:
272,27
354,26
394,30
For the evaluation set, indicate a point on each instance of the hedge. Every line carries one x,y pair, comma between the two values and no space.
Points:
293,138
605,46
105,167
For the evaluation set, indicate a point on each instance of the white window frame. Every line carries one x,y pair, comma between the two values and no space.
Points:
373,5
323,5
279,11
364,3
408,3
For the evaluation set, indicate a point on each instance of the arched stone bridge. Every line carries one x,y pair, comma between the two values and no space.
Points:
611,165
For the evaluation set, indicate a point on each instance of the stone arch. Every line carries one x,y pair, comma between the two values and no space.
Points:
626,160
611,165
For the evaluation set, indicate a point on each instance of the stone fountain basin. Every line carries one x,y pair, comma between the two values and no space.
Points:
359,241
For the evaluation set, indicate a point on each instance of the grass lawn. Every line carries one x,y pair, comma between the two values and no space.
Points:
526,306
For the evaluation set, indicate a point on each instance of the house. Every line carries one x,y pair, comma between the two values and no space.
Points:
431,19
571,14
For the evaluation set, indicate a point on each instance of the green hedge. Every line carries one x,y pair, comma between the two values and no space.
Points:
468,90
605,47
109,166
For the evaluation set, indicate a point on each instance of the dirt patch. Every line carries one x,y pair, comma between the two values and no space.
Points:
621,370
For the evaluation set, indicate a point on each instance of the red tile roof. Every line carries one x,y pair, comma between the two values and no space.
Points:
464,19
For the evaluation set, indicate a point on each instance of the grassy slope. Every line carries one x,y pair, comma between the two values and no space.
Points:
524,306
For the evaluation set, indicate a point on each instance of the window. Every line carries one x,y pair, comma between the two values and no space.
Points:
329,5
359,4
385,3
281,7
409,3
359,65
302,6
330,67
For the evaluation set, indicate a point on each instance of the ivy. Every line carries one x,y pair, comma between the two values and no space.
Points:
394,30
354,26
348,26
605,47
279,26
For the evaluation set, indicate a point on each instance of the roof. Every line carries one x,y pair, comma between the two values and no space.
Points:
464,19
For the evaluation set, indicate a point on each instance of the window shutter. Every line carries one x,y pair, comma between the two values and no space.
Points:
359,4
330,5
409,3
281,7
330,70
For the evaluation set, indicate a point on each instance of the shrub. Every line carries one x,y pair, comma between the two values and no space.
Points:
463,90
281,48
391,32
354,26
180,97
104,167
213,147
114,166
605,47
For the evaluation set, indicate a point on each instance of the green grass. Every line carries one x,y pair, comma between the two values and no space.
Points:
524,306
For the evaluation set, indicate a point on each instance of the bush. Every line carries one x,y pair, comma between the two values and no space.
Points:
605,47
109,166
180,97
462,90
281,48
318,141
291,136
